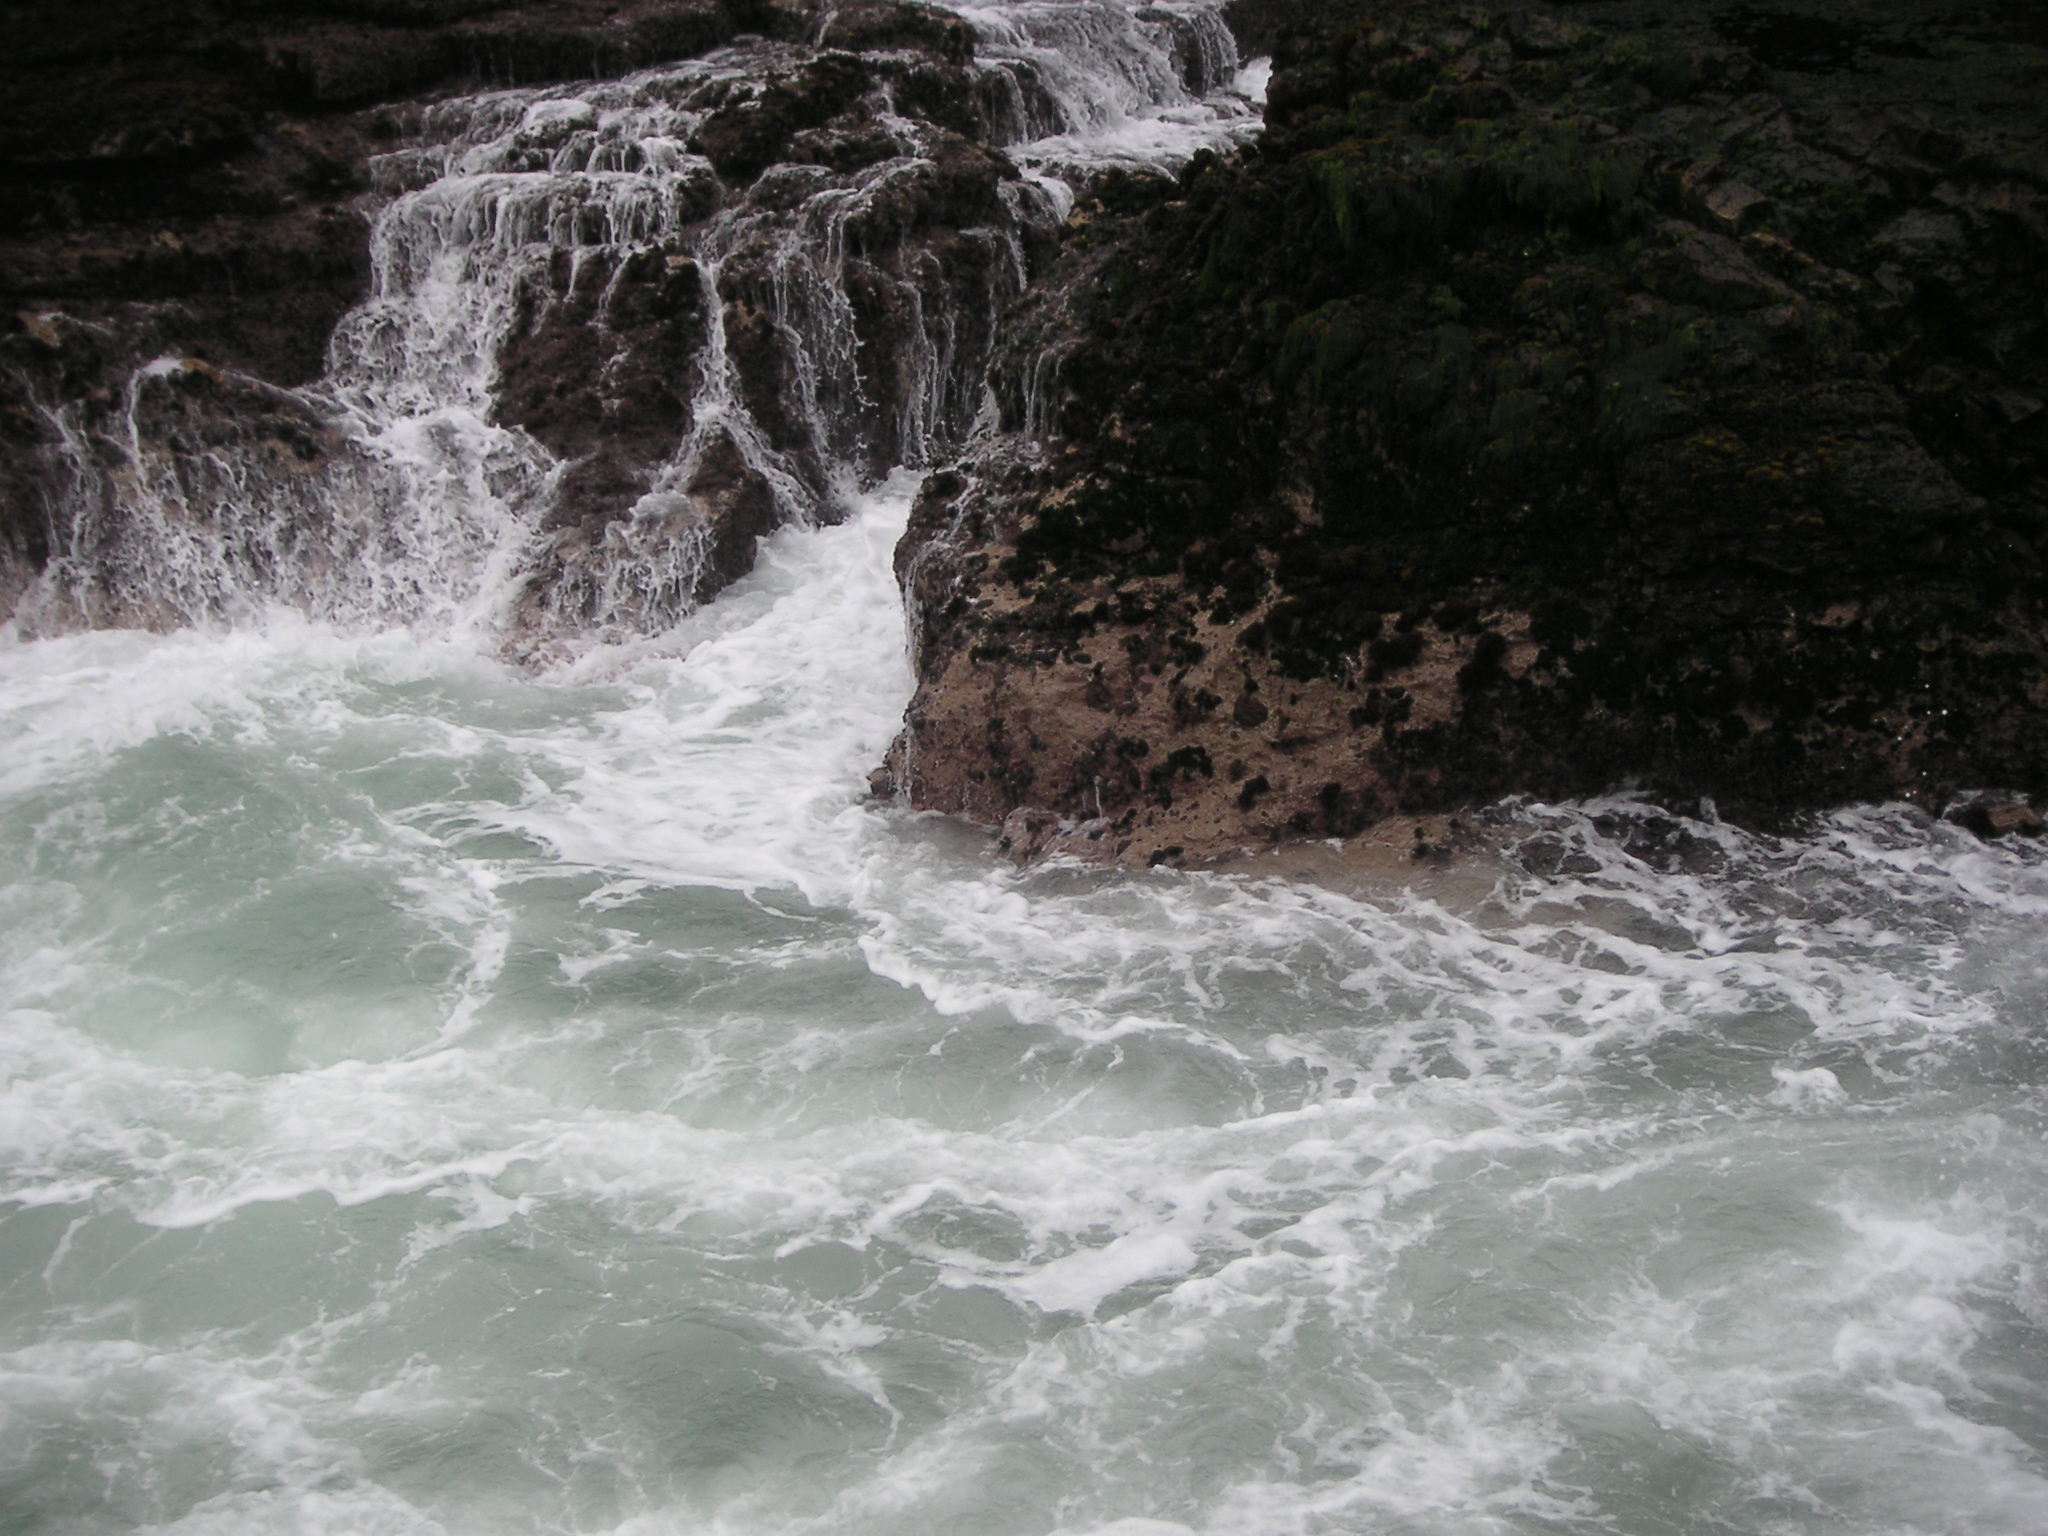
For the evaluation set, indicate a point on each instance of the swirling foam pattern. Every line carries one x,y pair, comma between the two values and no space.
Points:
443,1100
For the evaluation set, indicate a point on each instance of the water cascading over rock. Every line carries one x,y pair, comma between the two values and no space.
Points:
614,332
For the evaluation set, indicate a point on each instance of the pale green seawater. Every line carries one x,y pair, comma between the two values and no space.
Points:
440,1099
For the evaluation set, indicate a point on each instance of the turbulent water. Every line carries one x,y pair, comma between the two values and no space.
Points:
443,1098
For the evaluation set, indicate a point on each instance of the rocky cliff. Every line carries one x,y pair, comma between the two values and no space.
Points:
1555,396
188,180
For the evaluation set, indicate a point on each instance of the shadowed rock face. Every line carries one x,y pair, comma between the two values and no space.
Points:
1556,395
203,427
598,368
208,157
99,86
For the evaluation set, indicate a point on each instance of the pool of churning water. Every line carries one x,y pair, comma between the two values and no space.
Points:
440,1099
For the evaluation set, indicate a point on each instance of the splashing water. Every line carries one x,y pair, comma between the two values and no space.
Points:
444,1099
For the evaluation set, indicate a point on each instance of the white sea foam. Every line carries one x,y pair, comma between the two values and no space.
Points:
1245,1205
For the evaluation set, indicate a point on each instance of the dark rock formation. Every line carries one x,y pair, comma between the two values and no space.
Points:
106,87
1554,396
205,158
203,430
598,368
189,181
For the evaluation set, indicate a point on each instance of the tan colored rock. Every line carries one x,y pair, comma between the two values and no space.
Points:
1993,816
1737,206
1168,739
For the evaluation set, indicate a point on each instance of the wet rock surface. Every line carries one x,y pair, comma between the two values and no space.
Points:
219,209
211,161
1555,397
194,429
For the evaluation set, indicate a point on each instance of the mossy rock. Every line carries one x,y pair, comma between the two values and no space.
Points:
1490,315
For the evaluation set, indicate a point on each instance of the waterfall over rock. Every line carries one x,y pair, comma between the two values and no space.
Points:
615,331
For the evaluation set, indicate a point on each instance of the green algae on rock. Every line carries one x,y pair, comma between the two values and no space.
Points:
1554,396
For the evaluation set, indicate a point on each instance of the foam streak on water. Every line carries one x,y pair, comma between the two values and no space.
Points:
440,1100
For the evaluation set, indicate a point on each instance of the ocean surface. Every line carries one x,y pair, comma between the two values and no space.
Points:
441,1099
